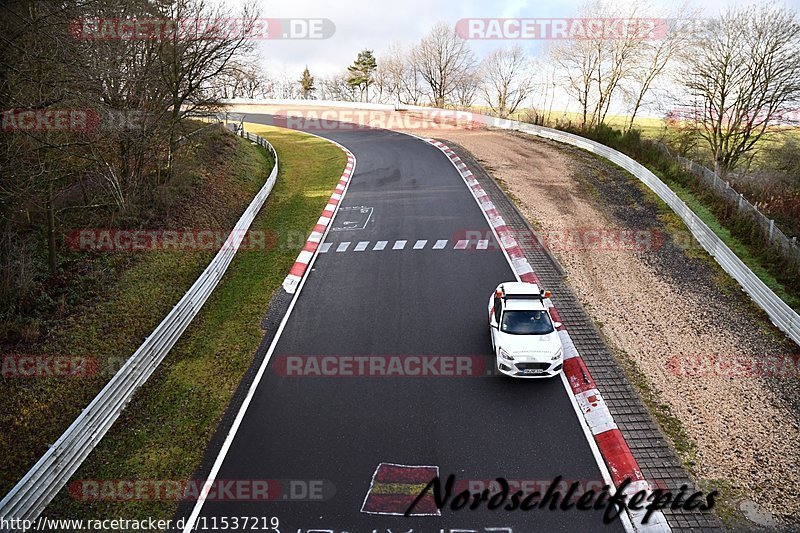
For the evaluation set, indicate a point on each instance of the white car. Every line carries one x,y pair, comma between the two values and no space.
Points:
524,337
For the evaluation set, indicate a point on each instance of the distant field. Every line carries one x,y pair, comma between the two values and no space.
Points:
651,128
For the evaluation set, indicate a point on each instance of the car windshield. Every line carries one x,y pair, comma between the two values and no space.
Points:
526,323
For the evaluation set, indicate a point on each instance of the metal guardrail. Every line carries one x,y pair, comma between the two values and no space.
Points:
39,486
783,316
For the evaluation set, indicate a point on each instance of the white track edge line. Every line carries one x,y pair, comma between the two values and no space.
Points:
190,523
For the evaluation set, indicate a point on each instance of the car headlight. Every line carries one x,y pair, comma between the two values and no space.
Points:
558,355
504,354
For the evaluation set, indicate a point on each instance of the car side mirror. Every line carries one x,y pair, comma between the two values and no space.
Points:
557,325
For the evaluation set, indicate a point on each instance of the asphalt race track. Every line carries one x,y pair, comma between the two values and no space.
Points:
400,302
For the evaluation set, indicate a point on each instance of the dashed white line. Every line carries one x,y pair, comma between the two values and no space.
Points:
440,244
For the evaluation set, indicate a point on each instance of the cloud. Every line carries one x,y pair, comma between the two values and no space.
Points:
374,25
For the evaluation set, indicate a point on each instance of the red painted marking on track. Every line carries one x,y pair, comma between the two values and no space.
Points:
397,504
298,269
580,380
404,474
406,481
618,456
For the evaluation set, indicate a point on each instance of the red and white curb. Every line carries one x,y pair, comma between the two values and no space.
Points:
609,439
321,228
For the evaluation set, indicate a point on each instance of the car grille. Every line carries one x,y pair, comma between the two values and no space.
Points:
533,366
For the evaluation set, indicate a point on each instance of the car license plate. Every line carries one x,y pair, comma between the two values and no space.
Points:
533,371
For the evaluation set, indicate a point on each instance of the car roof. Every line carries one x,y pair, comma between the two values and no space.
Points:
520,287
525,305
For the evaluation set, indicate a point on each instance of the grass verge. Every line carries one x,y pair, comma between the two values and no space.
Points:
163,432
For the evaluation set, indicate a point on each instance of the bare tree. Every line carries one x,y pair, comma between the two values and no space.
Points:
399,76
598,61
467,85
578,64
744,71
244,78
190,62
286,87
441,58
508,79
337,88
654,58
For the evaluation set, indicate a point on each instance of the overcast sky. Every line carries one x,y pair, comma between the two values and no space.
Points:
375,24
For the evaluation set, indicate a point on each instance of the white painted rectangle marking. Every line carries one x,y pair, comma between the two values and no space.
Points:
419,245
360,247
380,245
483,244
324,247
399,245
461,245
440,244
343,246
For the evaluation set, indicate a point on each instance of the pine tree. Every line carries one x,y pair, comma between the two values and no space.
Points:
361,71
307,84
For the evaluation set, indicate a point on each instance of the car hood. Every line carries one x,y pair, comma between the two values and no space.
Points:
529,345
